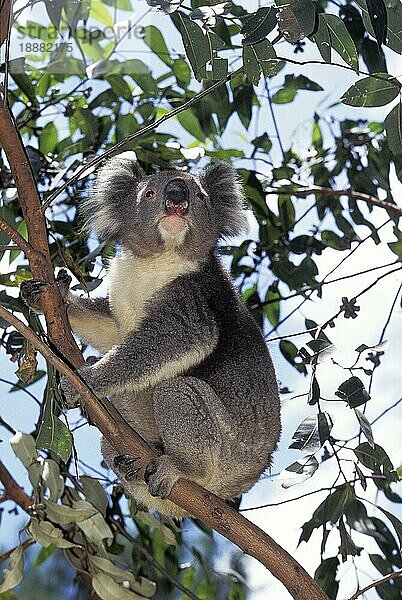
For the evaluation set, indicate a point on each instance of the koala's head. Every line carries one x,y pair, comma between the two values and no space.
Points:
168,210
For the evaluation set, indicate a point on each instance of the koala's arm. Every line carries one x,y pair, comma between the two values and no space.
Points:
178,333
91,319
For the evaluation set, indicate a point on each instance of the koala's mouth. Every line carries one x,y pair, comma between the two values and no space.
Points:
175,206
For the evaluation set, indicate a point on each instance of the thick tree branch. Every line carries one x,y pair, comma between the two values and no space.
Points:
307,191
376,583
5,14
39,259
188,495
13,490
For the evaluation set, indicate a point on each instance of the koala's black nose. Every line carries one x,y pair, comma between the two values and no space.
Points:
177,196
177,191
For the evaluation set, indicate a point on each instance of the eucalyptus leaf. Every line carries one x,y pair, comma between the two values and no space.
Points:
298,471
108,589
23,446
96,529
365,427
13,575
46,534
393,127
341,40
296,18
259,25
372,91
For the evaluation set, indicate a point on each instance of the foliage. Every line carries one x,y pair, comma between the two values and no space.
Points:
75,95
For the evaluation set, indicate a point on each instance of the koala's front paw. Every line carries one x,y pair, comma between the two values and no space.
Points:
30,293
161,475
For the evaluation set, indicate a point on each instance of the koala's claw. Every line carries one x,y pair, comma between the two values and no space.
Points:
30,292
124,463
161,475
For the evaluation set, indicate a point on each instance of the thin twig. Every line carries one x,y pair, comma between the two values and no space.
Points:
17,238
376,583
307,191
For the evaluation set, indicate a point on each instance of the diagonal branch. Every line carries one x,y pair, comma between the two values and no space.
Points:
376,583
191,497
39,258
5,14
306,191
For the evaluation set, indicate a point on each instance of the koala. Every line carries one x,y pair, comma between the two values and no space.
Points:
183,360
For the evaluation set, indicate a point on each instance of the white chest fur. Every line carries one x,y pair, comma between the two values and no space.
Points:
134,281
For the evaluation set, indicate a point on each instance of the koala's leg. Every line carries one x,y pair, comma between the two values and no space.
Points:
195,427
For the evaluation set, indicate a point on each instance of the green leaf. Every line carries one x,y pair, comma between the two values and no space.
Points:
371,91
314,393
182,72
296,18
260,59
108,589
378,18
46,534
311,434
365,427
195,42
259,25
44,554
153,38
263,142
375,459
298,471
325,576
48,138
330,510
190,122
393,127
284,96
353,392
341,40
23,446
13,576
53,433
347,546
290,352
272,309
100,13
395,522
322,39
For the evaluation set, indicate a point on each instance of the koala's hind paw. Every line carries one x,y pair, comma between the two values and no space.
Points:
30,293
161,475
124,463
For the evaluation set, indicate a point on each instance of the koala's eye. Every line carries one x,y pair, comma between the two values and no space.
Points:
150,193
199,196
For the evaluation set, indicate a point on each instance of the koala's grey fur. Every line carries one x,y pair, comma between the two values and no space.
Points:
183,360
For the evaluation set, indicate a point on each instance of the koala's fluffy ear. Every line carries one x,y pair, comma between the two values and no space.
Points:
113,193
224,189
